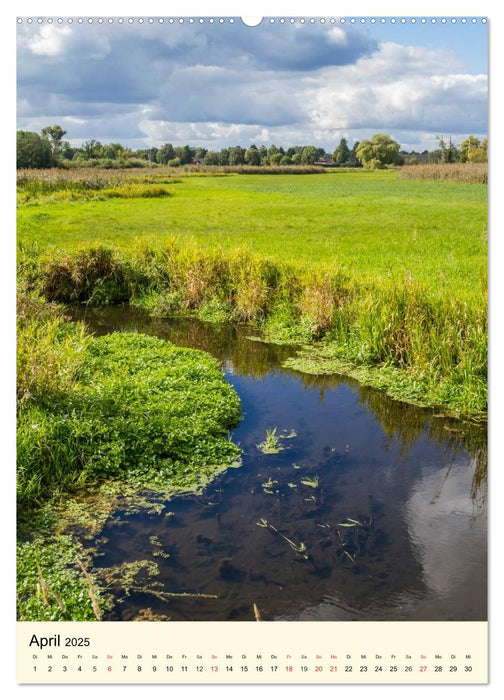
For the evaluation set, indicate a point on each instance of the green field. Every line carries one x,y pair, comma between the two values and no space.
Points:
372,224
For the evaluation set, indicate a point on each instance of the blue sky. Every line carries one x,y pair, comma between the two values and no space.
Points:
216,85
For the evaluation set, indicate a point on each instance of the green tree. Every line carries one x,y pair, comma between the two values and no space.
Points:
212,158
341,154
165,154
67,151
92,149
252,156
272,150
469,143
54,134
224,156
449,151
276,158
263,152
379,151
236,155
152,154
115,151
309,155
353,161
473,150
185,153
33,151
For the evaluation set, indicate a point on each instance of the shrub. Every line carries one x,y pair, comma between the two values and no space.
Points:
94,274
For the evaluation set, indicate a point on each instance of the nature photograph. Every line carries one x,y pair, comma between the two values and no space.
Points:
252,319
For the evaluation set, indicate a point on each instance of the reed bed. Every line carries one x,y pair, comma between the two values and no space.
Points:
472,173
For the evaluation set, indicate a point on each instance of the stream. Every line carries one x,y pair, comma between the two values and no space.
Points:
374,510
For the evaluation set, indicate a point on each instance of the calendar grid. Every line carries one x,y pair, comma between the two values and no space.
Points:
419,652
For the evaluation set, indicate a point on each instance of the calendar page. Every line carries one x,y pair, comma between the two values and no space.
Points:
252,349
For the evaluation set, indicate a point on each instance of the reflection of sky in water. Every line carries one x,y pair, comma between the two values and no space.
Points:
414,477
448,535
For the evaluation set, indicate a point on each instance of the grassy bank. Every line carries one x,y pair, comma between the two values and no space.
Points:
430,347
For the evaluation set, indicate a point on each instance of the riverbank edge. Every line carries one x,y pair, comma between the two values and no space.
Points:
416,343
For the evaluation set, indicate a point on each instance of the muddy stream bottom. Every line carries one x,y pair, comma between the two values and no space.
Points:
374,509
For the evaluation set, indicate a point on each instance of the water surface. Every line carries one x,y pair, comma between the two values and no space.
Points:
390,523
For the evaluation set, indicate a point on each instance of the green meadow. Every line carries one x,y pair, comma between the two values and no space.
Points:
373,225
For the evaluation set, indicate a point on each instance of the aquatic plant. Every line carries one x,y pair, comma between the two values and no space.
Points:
55,582
136,408
300,548
272,444
268,485
141,577
311,481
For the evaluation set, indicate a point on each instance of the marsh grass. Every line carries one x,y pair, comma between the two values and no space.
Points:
127,191
58,185
413,337
471,173
94,275
49,349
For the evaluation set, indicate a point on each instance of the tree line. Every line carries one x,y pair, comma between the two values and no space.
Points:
48,149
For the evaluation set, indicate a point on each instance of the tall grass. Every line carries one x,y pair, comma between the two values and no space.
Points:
49,349
476,173
60,185
403,325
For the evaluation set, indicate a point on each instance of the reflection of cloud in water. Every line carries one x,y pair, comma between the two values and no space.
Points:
440,527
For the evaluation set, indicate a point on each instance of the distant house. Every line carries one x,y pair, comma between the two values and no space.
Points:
324,160
196,161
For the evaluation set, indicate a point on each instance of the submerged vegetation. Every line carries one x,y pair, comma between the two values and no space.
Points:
53,582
